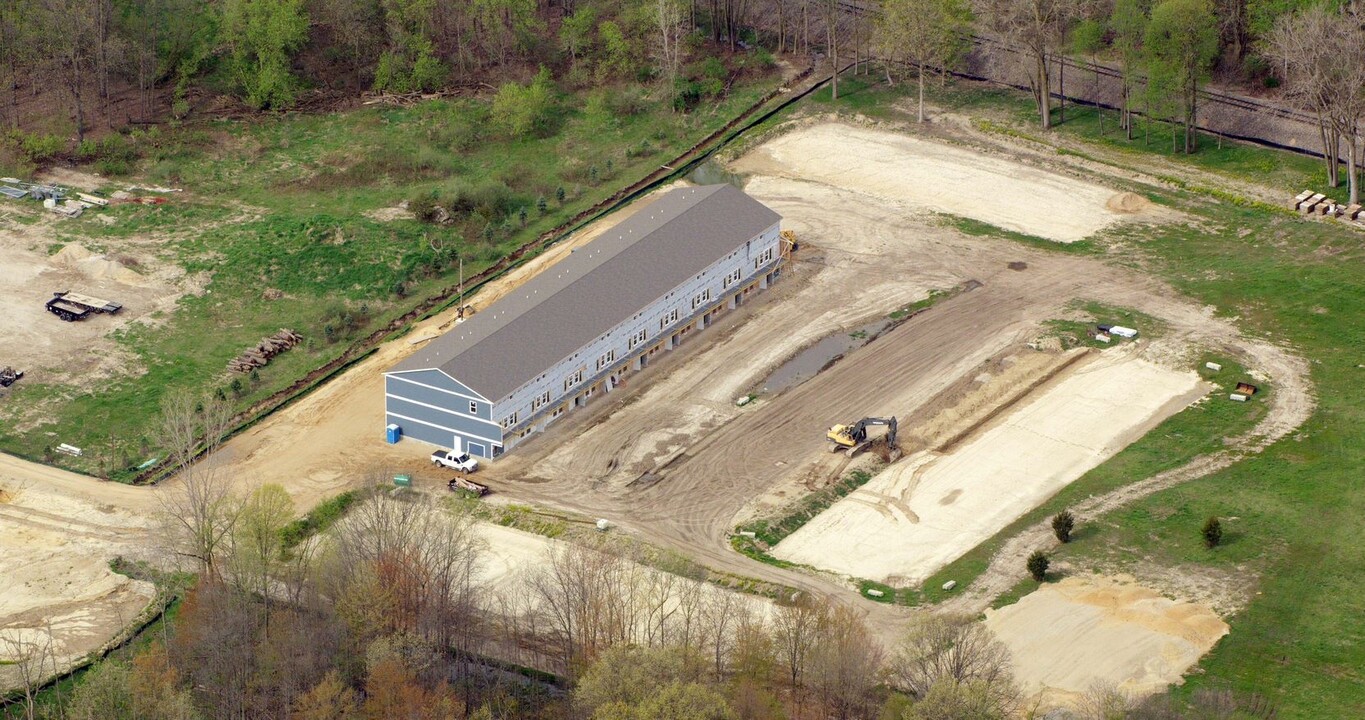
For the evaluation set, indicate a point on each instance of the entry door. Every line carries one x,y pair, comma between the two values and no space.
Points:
457,444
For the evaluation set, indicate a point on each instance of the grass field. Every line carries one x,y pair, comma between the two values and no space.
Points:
284,204
1295,543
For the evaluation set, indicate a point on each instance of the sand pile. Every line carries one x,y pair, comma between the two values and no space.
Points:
95,266
1128,203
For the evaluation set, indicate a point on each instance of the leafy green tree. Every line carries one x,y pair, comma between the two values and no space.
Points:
627,679
927,33
1181,45
258,540
410,63
526,110
508,26
575,32
1037,565
261,37
1212,532
618,55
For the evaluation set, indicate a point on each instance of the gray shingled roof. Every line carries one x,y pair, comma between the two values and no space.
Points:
599,285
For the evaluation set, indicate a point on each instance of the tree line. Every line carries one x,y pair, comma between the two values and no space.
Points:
265,52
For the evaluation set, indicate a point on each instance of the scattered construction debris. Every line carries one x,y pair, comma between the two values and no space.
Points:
266,349
1246,388
459,482
71,306
8,376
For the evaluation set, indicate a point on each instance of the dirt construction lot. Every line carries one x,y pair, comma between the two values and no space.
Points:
671,458
1069,636
924,512
56,540
76,353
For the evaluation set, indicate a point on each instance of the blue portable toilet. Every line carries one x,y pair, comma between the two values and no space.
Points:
393,434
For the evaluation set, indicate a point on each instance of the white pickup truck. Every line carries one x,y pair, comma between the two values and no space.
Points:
456,461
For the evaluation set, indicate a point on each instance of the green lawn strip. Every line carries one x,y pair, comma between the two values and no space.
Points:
977,228
1016,593
768,532
321,517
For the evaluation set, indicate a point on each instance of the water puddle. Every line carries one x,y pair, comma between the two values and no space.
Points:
809,362
710,172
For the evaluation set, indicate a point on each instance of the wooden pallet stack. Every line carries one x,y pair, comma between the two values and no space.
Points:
267,348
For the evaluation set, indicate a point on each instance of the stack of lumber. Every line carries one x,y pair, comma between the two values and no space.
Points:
268,348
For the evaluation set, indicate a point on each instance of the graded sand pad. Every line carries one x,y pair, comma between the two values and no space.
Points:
59,595
943,178
1069,636
920,514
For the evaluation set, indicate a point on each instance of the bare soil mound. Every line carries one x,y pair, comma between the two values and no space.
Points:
1128,203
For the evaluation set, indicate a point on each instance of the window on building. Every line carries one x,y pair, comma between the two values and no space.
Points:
732,278
636,339
701,299
540,400
763,258
473,408
509,421
607,358
669,317
573,379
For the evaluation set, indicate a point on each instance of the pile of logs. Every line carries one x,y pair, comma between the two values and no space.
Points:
268,348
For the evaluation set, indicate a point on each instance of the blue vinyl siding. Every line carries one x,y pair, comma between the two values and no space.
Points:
439,380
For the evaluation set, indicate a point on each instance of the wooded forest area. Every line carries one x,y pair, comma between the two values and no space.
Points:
73,67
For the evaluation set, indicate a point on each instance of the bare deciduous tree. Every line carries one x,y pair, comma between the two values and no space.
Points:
29,654
671,22
198,508
957,649
1308,47
846,664
1038,28
424,556
927,33
796,629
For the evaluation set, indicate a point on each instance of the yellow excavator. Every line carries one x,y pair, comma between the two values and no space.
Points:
853,438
